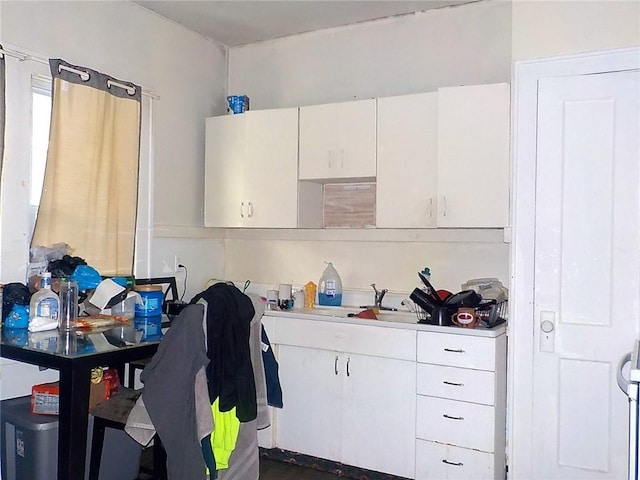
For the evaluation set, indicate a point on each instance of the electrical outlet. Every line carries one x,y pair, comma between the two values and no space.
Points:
176,263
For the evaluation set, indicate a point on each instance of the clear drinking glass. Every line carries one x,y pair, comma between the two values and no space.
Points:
68,304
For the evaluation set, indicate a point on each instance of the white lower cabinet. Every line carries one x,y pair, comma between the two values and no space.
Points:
354,405
461,419
446,462
426,404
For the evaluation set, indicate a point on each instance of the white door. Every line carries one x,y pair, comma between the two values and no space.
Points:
473,156
270,170
224,160
379,412
407,161
587,272
310,421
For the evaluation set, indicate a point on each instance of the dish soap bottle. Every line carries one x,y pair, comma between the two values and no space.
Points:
330,287
44,303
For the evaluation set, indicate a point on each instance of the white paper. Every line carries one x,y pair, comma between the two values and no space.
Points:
40,324
106,290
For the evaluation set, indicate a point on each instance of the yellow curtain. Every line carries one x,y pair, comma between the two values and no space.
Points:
89,195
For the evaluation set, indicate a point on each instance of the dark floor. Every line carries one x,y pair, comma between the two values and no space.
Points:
277,470
269,470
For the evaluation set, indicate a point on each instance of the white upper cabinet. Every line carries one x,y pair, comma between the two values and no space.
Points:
473,156
338,141
251,174
443,158
407,161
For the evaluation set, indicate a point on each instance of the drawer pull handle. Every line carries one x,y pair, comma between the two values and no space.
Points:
453,384
455,464
348,362
335,366
452,350
452,418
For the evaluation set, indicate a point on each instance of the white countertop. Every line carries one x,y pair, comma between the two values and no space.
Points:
387,319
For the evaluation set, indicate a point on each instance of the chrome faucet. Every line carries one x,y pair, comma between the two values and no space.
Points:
379,295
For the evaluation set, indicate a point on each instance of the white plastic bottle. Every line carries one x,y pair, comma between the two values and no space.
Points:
330,287
44,304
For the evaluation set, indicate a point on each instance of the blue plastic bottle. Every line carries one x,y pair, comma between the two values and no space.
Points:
330,287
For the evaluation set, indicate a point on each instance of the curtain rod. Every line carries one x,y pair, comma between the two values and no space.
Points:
23,57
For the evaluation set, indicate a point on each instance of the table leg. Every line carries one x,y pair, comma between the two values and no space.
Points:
73,420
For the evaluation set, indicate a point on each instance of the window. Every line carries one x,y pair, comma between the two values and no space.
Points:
40,122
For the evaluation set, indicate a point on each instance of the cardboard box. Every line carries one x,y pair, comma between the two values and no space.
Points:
45,397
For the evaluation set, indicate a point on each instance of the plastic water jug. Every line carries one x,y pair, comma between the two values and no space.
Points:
330,287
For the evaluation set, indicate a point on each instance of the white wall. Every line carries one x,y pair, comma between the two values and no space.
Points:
545,29
470,44
187,72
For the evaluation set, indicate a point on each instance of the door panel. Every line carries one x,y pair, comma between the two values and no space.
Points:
587,271
310,423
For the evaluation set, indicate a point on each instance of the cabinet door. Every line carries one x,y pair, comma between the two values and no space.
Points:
438,460
338,141
356,140
310,421
407,161
224,157
379,414
271,168
473,156
317,141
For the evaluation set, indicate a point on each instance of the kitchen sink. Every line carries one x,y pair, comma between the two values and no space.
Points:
340,312
382,315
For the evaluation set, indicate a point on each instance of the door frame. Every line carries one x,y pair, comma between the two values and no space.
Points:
521,326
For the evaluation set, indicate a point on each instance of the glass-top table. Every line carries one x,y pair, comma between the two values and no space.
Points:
74,354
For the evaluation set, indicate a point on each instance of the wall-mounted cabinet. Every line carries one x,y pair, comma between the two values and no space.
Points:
251,169
473,156
338,141
443,158
439,159
407,161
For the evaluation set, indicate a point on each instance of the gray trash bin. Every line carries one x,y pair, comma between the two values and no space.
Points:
30,446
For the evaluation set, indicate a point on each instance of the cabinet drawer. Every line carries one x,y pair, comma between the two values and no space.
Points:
457,350
457,423
477,386
343,337
436,460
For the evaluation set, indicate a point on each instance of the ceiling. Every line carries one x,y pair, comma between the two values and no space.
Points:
239,22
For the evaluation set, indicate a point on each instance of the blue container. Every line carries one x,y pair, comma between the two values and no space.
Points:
238,103
151,327
152,299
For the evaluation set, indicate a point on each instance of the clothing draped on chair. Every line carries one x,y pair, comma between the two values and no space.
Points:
89,194
176,398
222,342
